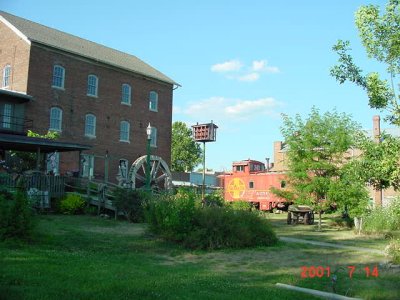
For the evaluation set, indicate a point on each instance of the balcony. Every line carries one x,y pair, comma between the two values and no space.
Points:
15,125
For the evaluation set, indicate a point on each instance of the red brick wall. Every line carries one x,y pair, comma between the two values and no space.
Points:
107,108
15,52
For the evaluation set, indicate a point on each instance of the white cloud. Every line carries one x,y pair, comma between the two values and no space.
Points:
250,108
228,66
262,66
249,77
258,65
225,110
232,69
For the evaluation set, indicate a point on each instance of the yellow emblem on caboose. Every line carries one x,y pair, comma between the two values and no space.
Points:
236,188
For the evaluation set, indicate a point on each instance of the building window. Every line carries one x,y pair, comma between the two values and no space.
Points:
58,76
90,125
55,119
7,114
153,137
124,131
126,94
153,103
92,85
87,165
6,75
251,184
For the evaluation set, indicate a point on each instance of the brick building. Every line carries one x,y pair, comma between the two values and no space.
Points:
89,93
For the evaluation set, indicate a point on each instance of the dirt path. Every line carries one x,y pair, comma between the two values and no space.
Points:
324,244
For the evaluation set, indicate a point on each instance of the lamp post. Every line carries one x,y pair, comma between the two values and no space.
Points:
148,132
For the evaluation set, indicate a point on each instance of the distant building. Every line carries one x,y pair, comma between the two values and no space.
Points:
89,93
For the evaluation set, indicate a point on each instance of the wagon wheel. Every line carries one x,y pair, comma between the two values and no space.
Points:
311,220
289,218
160,175
306,218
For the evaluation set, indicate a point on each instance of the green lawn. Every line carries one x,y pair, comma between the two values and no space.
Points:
82,257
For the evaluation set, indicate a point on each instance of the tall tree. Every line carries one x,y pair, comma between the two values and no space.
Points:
380,35
316,152
186,153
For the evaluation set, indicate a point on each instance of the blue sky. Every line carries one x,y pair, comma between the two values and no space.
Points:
240,63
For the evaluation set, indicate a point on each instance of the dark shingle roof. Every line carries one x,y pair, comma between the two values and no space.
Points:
38,33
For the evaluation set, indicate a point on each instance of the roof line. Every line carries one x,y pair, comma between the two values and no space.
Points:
15,30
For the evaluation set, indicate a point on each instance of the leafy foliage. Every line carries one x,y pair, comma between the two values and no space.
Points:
130,202
393,251
240,205
381,39
186,153
383,219
16,216
319,173
180,218
72,204
379,166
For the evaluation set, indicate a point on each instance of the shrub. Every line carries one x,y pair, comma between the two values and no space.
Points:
240,205
216,228
393,251
180,218
383,219
72,204
171,216
130,203
215,199
16,216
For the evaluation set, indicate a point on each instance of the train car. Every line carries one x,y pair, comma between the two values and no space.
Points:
251,181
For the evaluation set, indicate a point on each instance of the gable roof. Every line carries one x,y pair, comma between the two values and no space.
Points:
44,35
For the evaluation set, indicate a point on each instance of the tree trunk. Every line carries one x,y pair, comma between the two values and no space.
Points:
319,220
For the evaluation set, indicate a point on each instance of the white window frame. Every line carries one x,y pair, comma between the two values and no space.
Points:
7,114
55,119
92,85
153,101
124,131
126,94
58,77
90,125
6,76
153,137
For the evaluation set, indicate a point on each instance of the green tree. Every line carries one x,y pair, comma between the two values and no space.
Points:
317,160
380,35
186,153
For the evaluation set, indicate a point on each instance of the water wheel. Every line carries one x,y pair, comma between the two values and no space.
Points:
160,175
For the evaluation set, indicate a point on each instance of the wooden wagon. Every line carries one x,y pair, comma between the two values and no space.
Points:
300,214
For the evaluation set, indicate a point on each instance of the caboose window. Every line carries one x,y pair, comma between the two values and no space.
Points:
251,185
239,168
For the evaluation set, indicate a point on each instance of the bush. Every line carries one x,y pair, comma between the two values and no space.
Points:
130,203
16,216
171,216
240,205
180,218
72,204
216,198
383,219
217,228
393,251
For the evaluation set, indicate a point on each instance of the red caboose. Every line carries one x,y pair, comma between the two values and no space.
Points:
251,181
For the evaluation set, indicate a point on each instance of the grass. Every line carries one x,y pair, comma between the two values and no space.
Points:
81,257
329,232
